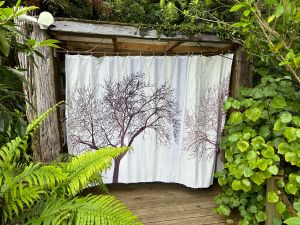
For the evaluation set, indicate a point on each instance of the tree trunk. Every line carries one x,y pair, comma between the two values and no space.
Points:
117,167
40,94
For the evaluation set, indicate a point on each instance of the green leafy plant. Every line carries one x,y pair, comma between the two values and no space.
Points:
262,138
270,32
12,113
33,193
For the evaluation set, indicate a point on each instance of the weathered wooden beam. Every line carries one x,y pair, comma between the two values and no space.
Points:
90,27
241,72
40,92
171,45
115,43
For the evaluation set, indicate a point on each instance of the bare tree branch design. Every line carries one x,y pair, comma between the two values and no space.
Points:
124,110
203,128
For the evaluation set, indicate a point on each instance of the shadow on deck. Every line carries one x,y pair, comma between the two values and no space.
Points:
170,204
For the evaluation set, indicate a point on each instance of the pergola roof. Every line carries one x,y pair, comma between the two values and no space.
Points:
97,37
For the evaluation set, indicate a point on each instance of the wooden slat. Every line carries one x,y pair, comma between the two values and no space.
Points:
115,43
171,45
90,27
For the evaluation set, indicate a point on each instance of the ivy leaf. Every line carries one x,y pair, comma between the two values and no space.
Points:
286,117
251,155
293,221
253,114
257,142
290,157
257,178
268,152
278,102
290,134
235,118
264,131
281,207
242,145
260,216
296,120
278,126
248,172
236,185
262,164
246,182
291,188
272,197
253,209
283,148
273,169
227,105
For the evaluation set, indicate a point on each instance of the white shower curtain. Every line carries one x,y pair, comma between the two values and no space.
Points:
192,118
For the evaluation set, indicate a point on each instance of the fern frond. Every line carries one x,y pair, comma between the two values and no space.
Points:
83,168
89,210
11,151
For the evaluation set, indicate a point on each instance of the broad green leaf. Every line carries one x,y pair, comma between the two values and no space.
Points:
279,10
242,145
236,185
283,148
291,188
296,120
281,207
260,216
272,197
264,131
268,152
237,7
162,3
257,178
273,169
292,221
278,125
248,172
262,164
251,155
278,102
235,118
253,114
286,117
4,46
246,12
253,209
290,157
290,134
257,142
270,18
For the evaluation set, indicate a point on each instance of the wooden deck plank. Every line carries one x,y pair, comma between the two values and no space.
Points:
170,204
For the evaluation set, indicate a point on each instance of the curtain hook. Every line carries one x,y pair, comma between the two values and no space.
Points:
104,54
67,52
77,52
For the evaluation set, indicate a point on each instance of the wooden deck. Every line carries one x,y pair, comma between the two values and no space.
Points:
170,204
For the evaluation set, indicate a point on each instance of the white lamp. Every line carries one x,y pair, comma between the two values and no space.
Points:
45,19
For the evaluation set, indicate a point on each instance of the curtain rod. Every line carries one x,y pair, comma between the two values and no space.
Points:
140,53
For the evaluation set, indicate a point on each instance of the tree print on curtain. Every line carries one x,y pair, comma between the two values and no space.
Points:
204,127
124,110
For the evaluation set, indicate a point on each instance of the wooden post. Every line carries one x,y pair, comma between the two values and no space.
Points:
271,210
241,73
41,95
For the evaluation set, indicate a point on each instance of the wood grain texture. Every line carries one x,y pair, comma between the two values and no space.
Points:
170,204
40,92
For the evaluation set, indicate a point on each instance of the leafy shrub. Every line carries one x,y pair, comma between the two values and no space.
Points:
262,138
33,193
